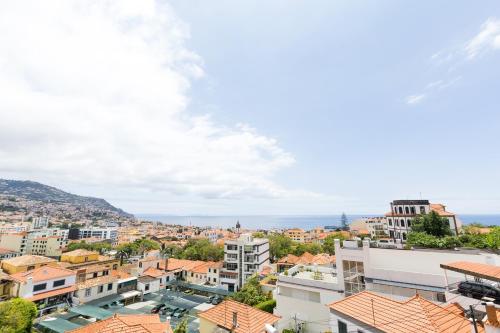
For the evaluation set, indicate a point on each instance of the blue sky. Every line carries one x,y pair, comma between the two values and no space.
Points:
255,107
330,80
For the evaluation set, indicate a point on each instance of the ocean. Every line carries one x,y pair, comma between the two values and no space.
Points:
282,222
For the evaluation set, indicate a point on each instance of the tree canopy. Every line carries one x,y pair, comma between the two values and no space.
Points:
202,249
182,327
16,316
99,247
431,224
251,292
279,246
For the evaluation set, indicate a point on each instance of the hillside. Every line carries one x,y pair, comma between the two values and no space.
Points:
47,194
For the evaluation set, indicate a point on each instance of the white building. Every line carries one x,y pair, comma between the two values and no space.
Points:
95,288
402,213
47,286
400,273
110,234
147,284
40,222
302,295
243,257
374,226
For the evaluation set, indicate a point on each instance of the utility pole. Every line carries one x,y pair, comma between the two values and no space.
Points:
473,318
295,319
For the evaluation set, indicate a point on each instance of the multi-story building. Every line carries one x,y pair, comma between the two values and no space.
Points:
95,288
243,257
400,273
15,242
12,228
40,222
298,235
7,254
373,226
105,234
47,286
302,295
402,213
49,246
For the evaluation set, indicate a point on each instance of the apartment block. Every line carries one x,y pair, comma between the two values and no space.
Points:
243,257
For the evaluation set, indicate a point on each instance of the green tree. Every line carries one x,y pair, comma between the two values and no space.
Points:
126,250
329,242
144,245
432,224
100,247
302,248
17,315
251,292
279,246
344,222
202,249
493,238
258,234
182,327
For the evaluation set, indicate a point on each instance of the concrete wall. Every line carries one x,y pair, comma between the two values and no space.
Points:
207,326
94,294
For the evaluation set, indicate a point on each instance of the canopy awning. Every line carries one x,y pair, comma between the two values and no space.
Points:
483,271
52,293
92,311
58,325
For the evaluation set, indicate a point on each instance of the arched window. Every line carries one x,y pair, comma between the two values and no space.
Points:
407,210
140,265
400,210
390,222
412,210
402,223
409,223
404,235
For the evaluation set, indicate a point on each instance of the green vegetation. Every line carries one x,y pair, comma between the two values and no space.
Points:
100,247
251,293
182,327
329,242
301,248
431,224
16,316
468,238
279,246
267,306
195,249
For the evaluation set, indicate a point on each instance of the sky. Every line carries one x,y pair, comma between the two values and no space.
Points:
190,107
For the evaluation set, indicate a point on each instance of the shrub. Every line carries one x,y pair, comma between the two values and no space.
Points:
267,306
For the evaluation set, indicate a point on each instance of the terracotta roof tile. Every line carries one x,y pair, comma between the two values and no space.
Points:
52,293
80,252
153,272
414,315
43,273
28,260
144,323
485,271
249,319
96,281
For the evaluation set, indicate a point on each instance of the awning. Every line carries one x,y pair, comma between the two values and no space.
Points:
92,311
58,325
483,271
130,294
52,293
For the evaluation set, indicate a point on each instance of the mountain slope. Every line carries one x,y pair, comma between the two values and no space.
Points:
39,192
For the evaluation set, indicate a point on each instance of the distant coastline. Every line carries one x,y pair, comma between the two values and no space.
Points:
282,222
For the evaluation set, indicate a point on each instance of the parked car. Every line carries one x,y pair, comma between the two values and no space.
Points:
479,290
210,299
217,299
171,311
179,313
158,307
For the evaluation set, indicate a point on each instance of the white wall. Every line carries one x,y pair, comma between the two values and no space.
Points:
154,286
94,294
26,290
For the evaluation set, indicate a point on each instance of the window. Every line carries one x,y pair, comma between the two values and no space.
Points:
215,270
441,297
407,210
87,292
402,223
146,287
412,210
140,265
168,278
95,275
59,283
422,210
41,286
100,289
409,223
86,259
110,286
342,327
390,222
400,210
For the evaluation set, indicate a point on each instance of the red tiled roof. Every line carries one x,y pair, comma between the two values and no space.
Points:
414,315
43,273
485,271
143,323
154,272
249,319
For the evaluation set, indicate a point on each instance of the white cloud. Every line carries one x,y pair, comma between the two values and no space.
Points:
487,38
96,93
415,99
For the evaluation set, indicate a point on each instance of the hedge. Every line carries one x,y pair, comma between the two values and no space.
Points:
267,306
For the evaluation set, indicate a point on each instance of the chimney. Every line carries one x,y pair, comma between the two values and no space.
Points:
491,314
29,287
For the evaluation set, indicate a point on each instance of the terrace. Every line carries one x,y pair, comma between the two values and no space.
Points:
311,275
